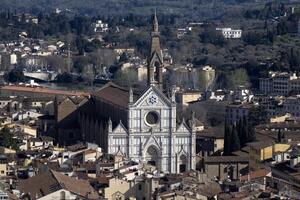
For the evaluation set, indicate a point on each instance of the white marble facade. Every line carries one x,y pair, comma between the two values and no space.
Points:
153,136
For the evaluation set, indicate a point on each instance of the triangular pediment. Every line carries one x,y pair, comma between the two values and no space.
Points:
67,100
182,152
151,141
120,129
183,128
152,97
120,153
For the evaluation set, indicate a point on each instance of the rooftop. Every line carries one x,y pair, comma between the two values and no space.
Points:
114,94
51,181
254,175
260,145
226,159
43,90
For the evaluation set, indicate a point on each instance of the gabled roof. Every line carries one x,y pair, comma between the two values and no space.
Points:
183,125
159,93
76,100
114,94
121,127
52,181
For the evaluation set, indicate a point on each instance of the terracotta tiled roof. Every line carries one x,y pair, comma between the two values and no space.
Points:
225,159
43,90
39,185
260,145
51,181
114,94
79,187
254,175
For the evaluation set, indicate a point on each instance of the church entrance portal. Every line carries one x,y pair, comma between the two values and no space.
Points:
153,157
182,164
182,168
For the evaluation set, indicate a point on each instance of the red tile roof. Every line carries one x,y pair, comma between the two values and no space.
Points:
254,175
52,181
43,90
114,94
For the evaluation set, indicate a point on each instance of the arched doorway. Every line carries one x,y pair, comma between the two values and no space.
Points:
182,163
152,156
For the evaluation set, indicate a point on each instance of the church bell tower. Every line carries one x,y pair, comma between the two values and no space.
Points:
155,60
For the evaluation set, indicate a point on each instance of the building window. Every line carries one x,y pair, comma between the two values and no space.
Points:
140,187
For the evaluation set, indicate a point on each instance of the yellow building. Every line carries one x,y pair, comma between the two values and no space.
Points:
262,151
120,189
3,170
186,97
4,150
280,119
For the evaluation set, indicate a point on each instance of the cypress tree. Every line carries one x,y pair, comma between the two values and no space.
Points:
251,134
279,136
239,128
227,137
282,136
244,135
235,141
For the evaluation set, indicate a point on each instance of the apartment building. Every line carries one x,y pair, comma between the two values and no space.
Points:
279,83
230,33
236,111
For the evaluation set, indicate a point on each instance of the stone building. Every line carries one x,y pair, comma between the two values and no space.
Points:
208,74
223,167
143,127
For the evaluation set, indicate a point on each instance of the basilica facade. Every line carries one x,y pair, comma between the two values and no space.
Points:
144,127
153,134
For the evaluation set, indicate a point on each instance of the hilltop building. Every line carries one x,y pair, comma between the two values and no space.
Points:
230,33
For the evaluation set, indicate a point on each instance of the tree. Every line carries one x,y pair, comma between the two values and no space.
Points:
57,63
126,78
227,138
239,127
80,62
89,74
123,57
15,75
279,136
251,134
245,132
210,35
235,141
7,139
102,58
237,78
257,115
